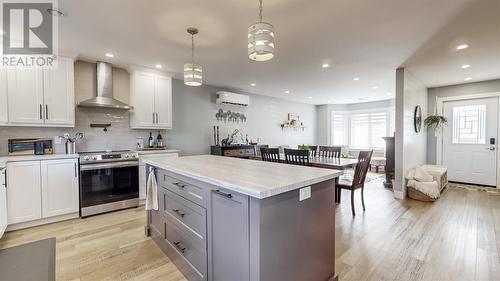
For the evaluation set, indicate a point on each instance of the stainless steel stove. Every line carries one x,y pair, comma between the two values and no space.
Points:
109,181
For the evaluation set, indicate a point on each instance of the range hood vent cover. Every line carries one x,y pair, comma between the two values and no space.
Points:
104,92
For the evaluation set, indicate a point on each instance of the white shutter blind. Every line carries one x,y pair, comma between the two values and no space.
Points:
378,129
360,137
339,128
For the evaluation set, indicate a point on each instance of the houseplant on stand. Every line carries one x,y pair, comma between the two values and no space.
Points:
435,121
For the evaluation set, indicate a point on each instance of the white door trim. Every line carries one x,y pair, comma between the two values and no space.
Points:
439,141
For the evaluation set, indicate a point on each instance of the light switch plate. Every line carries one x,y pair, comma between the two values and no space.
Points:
305,193
57,140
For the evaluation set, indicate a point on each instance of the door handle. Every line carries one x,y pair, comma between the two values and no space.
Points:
491,148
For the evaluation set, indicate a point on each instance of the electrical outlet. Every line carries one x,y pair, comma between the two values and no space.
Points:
57,140
305,193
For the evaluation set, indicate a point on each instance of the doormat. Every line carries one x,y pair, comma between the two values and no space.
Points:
474,187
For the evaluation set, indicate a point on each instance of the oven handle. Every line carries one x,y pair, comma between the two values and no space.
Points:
87,167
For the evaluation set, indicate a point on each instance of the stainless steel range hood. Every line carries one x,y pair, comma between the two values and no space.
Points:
104,92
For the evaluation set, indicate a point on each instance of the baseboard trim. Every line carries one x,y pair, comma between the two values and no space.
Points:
399,194
22,225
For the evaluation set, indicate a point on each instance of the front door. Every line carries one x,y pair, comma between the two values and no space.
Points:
470,140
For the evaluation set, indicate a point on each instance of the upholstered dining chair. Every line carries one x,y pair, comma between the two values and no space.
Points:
329,151
270,154
297,157
359,178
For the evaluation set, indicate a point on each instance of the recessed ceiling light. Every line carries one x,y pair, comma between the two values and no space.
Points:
310,97
355,79
287,92
325,65
468,78
375,87
159,66
465,66
462,46
109,55
56,12
253,84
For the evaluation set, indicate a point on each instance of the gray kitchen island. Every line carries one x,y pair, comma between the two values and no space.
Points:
230,219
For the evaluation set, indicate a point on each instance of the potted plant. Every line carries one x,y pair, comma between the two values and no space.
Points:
304,147
435,121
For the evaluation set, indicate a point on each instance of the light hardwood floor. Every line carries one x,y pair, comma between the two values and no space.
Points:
455,238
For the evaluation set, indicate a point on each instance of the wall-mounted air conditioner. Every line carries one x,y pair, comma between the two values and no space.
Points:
232,98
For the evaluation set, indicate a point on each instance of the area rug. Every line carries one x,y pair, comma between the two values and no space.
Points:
29,262
473,187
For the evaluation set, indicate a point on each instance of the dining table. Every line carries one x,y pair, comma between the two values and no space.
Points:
326,163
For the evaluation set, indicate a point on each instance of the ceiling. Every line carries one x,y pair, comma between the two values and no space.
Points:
363,38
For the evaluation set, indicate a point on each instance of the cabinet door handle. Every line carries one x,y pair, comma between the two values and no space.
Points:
179,247
76,171
179,184
46,112
153,117
157,118
227,195
178,212
41,112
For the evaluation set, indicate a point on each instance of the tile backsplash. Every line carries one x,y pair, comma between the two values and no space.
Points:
118,136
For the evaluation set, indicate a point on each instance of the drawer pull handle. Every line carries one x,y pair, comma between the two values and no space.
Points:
179,247
227,195
180,184
177,211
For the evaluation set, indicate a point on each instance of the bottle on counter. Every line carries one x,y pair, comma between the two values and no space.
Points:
150,140
159,140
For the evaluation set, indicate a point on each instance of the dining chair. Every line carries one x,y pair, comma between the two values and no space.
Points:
313,149
358,180
329,151
297,157
270,154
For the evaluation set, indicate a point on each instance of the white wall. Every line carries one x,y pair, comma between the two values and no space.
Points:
411,147
194,112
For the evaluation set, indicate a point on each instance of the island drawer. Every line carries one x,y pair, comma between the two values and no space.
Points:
188,216
184,246
187,190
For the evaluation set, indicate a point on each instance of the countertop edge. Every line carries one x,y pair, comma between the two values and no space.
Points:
242,190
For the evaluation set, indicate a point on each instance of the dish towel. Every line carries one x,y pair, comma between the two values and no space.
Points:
151,191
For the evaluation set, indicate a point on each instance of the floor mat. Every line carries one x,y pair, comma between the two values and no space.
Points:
474,187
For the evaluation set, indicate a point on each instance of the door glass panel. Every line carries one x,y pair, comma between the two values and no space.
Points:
469,124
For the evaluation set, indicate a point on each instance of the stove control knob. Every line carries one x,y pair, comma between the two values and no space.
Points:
86,158
127,155
94,157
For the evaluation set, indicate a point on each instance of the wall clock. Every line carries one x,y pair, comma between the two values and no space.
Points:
417,118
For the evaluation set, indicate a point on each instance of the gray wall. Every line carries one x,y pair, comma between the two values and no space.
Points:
450,91
194,112
411,146
119,135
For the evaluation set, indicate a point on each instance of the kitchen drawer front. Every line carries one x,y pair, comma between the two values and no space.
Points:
186,215
185,189
185,246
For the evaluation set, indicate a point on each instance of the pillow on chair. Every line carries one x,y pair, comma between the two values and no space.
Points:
422,176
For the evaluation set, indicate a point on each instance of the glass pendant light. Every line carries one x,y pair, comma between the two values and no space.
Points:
260,39
193,73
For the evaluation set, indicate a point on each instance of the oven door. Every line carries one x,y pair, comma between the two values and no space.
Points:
104,183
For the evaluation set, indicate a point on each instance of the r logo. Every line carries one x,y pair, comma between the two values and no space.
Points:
28,28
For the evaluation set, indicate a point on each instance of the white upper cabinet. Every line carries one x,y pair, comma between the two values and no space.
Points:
25,96
3,96
163,101
59,94
59,187
151,97
43,98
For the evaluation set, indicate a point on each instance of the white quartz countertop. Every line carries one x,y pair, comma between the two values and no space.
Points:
255,178
6,159
161,151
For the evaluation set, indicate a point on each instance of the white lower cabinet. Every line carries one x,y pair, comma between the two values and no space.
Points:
24,195
41,189
142,170
59,187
